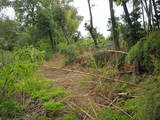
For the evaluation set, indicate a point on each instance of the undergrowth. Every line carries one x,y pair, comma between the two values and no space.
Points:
143,51
20,77
109,114
69,116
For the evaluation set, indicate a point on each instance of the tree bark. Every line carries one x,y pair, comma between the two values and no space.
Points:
128,19
91,24
156,13
51,38
116,42
147,9
143,16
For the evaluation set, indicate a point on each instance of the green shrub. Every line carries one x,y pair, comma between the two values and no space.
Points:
146,106
105,44
143,50
108,114
47,94
14,74
69,50
136,52
156,64
53,106
91,63
10,109
6,57
149,104
18,77
29,36
83,45
45,45
30,54
131,105
11,81
98,57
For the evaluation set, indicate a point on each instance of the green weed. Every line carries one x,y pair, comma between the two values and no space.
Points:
53,106
109,114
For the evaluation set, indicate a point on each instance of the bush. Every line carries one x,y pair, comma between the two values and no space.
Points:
156,64
69,50
146,106
149,104
53,106
143,50
18,77
12,80
6,57
10,109
30,54
131,106
108,114
83,45
136,52
29,36
45,94
103,57
105,44
45,45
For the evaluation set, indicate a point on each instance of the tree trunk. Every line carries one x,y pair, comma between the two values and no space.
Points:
51,38
156,13
116,42
147,9
128,19
143,16
91,24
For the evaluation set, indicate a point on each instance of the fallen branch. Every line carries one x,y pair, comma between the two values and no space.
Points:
115,51
93,108
82,110
116,107
113,101
94,75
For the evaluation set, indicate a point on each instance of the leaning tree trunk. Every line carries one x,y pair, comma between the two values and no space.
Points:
91,29
115,39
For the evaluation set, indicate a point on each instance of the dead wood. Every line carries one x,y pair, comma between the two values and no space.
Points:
115,106
96,75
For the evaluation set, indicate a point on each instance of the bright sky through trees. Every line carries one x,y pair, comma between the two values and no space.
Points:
100,14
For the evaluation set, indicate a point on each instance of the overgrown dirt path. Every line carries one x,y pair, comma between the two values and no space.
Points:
80,85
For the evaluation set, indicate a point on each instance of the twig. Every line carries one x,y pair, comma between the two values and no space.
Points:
101,105
115,51
82,110
94,75
113,101
118,108
93,108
